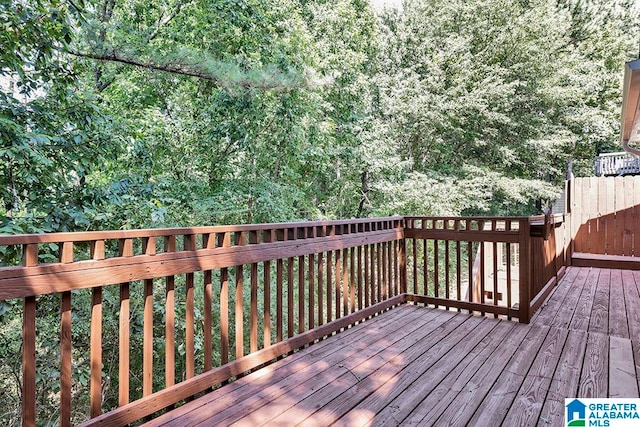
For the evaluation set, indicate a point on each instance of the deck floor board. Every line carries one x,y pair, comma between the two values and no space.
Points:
424,366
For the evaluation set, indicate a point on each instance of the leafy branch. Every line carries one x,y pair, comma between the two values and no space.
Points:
224,74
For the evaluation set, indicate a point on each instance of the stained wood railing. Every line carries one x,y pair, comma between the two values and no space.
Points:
500,266
196,307
218,281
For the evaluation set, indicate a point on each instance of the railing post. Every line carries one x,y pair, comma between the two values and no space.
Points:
402,261
525,270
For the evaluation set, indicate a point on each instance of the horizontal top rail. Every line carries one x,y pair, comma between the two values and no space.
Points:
87,236
18,282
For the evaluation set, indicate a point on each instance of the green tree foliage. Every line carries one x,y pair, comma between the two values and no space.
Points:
487,100
193,112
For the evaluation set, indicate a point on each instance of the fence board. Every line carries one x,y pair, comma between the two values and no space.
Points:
608,210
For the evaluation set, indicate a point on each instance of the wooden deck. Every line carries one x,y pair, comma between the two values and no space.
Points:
418,366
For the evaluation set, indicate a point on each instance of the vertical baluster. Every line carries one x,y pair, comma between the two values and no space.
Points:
482,271
190,359
366,278
425,261
126,250
30,258
414,258
393,265
470,269
457,226
320,288
329,284
170,324
290,286
495,267
379,275
345,282
147,344
290,301
396,274
361,302
436,270
267,238
225,242
352,278
383,264
507,227
65,359
446,270
374,278
66,257
336,287
312,288
239,311
97,253
253,332
301,284
402,267
279,292
208,242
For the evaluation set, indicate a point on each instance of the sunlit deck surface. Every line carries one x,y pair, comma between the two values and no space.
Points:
418,366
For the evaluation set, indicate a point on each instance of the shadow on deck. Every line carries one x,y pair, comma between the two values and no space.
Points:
417,366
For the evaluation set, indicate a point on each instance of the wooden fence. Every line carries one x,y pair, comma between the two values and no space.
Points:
201,306
606,215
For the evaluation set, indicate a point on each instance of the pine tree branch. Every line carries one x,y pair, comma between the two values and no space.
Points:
223,74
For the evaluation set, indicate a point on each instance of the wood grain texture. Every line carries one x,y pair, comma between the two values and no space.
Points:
494,407
528,403
595,368
599,321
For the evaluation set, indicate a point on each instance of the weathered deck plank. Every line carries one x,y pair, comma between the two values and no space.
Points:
569,304
527,405
419,366
618,326
582,315
333,402
565,379
433,390
474,391
599,321
593,380
495,406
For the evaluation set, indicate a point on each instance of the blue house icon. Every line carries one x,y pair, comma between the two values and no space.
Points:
576,410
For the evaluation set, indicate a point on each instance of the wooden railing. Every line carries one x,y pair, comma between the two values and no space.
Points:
499,266
196,307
